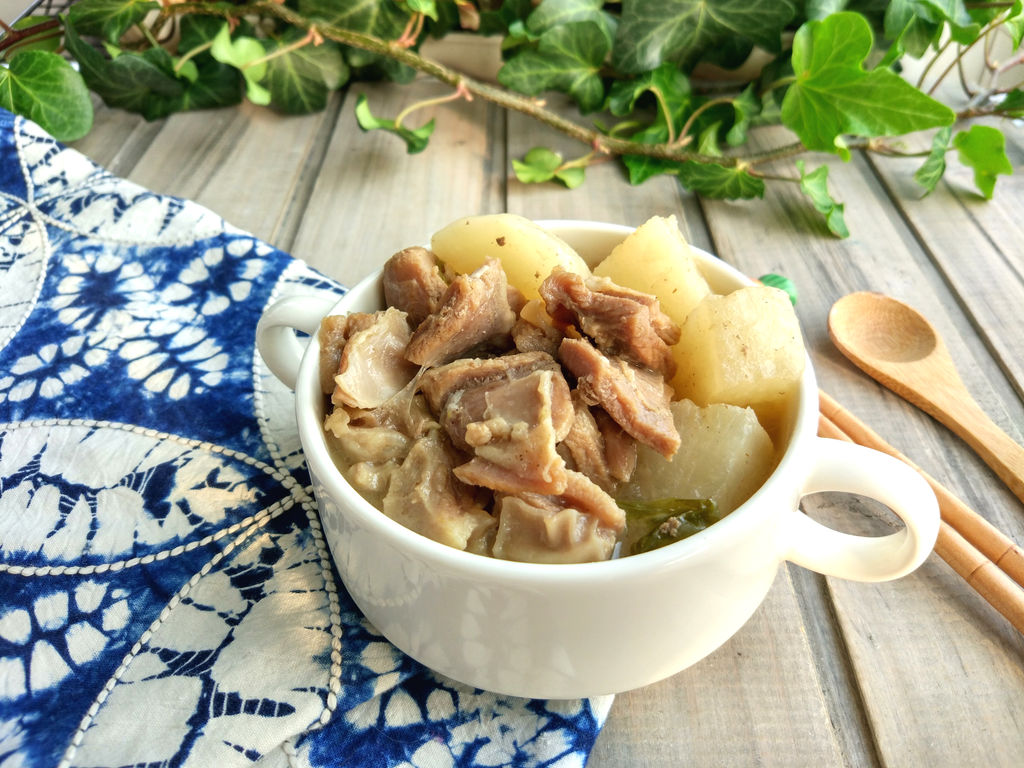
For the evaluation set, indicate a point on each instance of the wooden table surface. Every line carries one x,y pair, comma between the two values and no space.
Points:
916,672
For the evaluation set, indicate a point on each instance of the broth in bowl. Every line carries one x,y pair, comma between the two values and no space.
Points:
511,401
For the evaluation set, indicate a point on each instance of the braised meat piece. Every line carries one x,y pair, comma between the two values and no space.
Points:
373,367
424,495
583,447
619,446
534,331
636,398
333,335
622,322
474,311
413,283
438,383
579,525
511,428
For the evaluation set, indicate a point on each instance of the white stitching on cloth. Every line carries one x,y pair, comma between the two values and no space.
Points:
146,636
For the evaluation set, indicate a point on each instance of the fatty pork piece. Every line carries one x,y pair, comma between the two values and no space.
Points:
511,428
333,335
474,312
372,366
579,525
437,384
426,497
598,447
413,283
622,322
636,398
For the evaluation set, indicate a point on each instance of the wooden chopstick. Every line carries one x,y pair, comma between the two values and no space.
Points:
965,538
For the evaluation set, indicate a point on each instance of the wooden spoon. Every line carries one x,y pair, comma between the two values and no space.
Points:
900,349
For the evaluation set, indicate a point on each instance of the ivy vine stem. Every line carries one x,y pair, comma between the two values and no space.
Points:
506,99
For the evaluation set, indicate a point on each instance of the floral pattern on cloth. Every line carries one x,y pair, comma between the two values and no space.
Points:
166,594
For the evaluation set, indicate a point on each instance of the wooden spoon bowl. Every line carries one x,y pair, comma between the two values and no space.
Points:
895,345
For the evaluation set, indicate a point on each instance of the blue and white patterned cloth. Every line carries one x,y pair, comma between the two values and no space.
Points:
166,595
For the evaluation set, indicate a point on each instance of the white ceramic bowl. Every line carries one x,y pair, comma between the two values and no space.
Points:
566,631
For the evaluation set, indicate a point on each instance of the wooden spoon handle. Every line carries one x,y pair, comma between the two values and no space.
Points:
997,449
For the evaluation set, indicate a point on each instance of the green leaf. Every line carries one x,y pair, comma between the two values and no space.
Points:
217,85
381,18
833,94
934,167
245,54
415,139
143,83
815,186
682,31
426,7
537,166
1013,103
908,29
707,142
983,148
554,13
746,107
962,28
43,87
781,282
108,19
541,164
571,177
300,80
720,182
641,167
670,84
568,58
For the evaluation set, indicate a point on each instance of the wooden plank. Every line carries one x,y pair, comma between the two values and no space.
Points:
371,198
920,644
754,701
248,164
117,139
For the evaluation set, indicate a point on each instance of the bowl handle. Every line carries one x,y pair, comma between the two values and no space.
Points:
844,467
275,334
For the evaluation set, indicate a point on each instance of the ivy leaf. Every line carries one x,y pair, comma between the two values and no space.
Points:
554,13
910,31
641,167
681,31
244,54
934,167
815,186
139,82
833,94
781,282
109,19
983,148
381,18
415,139
667,81
1013,103
568,58
747,107
216,85
720,182
427,7
300,79
541,164
43,87
962,28
707,142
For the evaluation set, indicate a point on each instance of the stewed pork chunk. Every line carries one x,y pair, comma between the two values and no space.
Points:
474,311
413,283
636,398
620,321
